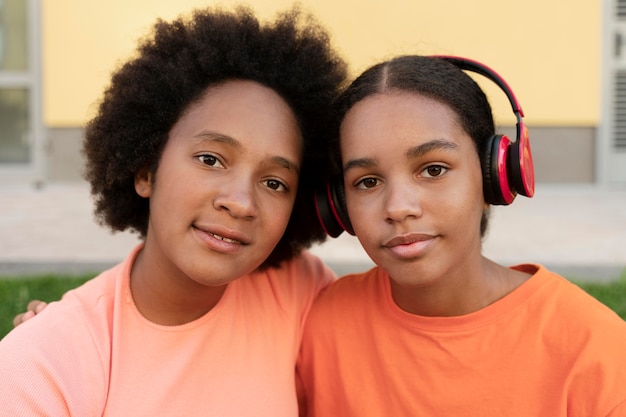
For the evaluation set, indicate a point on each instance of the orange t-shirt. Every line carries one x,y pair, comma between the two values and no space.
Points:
94,354
546,349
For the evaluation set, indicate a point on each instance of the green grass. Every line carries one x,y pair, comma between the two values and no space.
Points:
612,294
15,293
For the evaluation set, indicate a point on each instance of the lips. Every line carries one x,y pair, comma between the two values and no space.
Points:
407,239
221,239
410,246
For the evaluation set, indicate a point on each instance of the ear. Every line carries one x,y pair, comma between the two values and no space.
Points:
143,182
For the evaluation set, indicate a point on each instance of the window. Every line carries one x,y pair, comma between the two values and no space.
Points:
20,97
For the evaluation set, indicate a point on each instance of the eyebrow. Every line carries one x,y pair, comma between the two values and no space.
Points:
433,145
230,141
207,136
285,163
414,152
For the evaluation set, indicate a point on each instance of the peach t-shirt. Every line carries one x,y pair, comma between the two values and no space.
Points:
94,354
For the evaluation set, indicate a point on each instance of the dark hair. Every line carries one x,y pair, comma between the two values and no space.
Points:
431,77
171,70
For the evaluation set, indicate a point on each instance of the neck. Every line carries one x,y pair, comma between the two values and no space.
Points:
458,292
164,297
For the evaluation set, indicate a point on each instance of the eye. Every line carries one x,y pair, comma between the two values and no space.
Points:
433,171
210,160
367,183
276,185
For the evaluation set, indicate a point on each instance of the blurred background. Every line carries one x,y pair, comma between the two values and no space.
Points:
564,59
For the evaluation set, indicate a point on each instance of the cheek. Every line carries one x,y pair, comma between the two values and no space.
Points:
362,219
277,217
467,204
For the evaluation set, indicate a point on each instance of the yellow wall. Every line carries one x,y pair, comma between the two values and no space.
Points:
548,50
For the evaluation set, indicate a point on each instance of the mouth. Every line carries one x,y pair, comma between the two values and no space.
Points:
410,246
407,239
223,240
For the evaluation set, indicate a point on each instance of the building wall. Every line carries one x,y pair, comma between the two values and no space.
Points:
531,45
562,155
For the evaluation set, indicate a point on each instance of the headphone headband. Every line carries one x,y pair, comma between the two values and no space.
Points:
482,69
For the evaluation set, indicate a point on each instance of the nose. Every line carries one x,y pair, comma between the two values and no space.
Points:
237,197
402,202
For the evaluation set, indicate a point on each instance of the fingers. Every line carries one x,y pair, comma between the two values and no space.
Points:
21,318
34,307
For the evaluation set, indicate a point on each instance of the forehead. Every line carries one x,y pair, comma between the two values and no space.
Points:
397,120
242,109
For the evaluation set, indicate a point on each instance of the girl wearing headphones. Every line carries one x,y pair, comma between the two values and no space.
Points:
437,329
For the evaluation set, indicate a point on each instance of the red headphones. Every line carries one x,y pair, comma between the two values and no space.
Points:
507,166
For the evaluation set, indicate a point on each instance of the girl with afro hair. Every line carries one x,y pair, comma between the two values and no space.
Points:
208,143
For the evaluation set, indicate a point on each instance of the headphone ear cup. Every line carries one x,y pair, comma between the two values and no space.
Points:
338,194
331,209
522,170
496,187
325,212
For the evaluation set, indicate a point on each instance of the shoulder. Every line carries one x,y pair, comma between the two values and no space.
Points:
304,273
81,320
568,298
577,321
291,287
354,285
345,298
59,359
82,313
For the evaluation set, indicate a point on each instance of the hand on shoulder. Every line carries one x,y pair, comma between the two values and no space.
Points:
34,307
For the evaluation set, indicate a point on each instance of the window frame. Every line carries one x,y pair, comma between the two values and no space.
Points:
31,80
